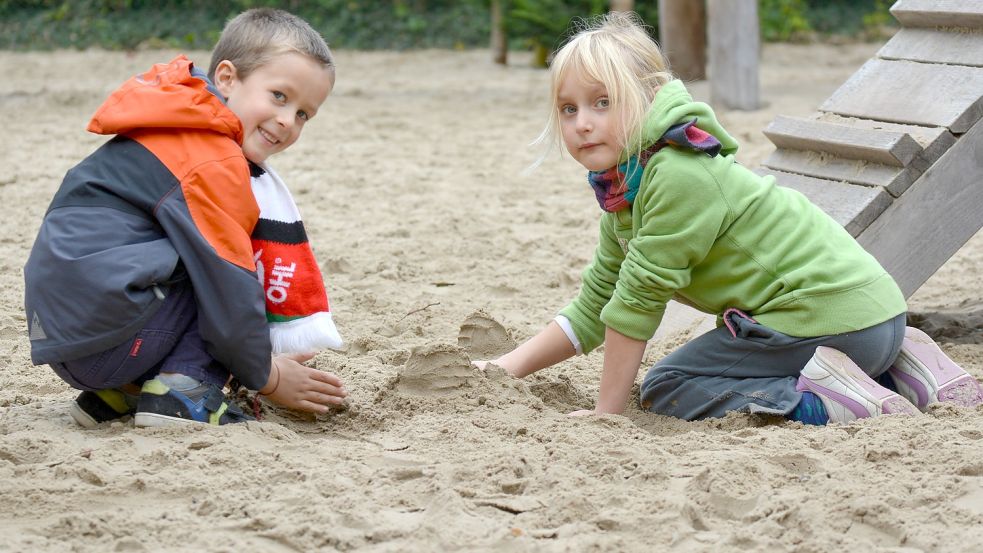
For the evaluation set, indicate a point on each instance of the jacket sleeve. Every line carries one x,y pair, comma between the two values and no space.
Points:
209,220
598,282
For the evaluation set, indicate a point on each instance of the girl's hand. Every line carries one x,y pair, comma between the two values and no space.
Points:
545,349
297,386
484,365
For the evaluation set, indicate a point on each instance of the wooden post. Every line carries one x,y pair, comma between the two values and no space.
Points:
622,5
735,41
499,40
682,35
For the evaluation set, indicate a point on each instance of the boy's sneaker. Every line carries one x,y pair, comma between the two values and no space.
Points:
159,405
925,375
91,408
846,391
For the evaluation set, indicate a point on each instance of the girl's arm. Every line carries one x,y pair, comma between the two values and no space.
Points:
622,358
545,349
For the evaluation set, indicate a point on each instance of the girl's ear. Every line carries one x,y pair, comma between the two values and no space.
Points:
226,77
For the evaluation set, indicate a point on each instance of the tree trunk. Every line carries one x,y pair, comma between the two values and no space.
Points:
734,49
622,5
499,38
682,33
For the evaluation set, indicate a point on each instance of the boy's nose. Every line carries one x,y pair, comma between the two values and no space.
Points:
284,118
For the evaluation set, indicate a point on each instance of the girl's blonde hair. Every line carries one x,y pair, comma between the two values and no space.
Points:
254,37
616,51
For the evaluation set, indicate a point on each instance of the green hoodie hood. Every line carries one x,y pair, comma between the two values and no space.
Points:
673,105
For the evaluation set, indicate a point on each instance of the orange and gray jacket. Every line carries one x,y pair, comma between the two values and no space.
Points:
167,198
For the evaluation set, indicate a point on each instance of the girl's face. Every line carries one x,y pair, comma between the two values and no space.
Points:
590,127
274,101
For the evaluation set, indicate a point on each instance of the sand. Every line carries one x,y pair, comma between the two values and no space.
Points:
436,249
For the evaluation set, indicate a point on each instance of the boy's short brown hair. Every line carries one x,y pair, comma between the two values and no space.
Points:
254,37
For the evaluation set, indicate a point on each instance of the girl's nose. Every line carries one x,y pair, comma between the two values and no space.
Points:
584,123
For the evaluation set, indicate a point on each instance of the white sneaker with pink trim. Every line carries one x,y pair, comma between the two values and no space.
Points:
846,391
925,375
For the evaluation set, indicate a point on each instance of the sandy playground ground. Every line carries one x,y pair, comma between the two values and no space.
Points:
434,247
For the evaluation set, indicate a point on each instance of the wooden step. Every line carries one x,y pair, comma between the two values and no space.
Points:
934,141
913,93
885,147
935,46
939,13
893,179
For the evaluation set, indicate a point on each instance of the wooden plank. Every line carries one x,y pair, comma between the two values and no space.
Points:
933,140
682,35
878,146
895,180
932,46
938,13
920,231
733,32
850,205
914,93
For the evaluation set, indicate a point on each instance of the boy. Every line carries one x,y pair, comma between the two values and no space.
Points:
142,279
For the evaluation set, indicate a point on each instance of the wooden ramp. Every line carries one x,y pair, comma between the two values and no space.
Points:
896,154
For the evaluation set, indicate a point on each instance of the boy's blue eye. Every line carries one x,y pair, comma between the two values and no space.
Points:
279,96
303,115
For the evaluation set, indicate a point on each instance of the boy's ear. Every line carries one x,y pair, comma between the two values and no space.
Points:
225,77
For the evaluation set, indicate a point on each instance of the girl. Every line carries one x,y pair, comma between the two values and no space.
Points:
804,313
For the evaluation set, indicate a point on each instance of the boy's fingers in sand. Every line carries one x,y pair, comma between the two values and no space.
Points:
480,365
581,413
323,377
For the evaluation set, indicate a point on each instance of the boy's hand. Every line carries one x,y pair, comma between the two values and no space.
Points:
297,386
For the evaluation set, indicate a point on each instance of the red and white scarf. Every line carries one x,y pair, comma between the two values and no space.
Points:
296,302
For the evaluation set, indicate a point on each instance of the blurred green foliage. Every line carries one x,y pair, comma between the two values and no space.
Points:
378,24
783,20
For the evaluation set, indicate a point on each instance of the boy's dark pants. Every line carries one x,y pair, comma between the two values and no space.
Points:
168,343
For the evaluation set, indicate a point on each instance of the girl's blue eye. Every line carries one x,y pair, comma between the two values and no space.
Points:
568,110
279,96
604,103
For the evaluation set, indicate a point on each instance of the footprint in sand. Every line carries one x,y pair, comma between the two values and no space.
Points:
435,369
483,337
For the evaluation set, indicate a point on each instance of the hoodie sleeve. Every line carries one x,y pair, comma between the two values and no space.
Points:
597,284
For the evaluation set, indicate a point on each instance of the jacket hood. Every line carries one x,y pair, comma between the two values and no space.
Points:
672,105
175,95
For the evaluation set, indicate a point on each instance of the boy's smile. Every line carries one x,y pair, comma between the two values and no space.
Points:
274,101
588,123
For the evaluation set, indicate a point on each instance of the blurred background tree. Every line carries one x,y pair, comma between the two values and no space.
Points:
540,25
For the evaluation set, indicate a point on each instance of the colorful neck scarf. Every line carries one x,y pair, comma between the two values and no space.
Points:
615,188
296,302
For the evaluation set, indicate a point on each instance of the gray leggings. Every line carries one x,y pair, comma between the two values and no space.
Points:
754,369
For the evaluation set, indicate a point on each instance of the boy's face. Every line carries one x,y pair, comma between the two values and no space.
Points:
274,101
588,123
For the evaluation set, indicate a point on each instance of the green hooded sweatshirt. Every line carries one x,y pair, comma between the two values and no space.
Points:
712,234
